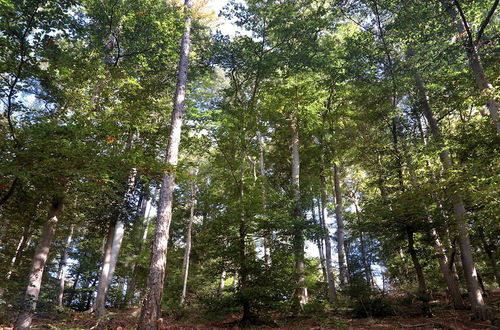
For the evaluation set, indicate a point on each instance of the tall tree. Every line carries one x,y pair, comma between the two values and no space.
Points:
151,307
37,267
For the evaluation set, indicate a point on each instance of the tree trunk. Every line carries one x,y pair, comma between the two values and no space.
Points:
106,264
243,287
422,287
490,250
222,282
449,278
262,168
37,267
364,259
151,308
344,278
63,267
451,283
143,222
73,287
300,294
187,252
476,66
115,238
475,297
19,250
319,240
332,293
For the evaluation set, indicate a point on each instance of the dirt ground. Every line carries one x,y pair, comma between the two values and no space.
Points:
405,317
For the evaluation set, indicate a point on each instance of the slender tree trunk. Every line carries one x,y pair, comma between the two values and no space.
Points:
37,267
332,292
490,250
300,294
422,287
106,265
73,287
151,307
368,273
187,252
19,250
116,239
451,283
143,221
475,296
319,240
63,267
222,282
364,259
449,278
344,278
476,67
262,168
243,273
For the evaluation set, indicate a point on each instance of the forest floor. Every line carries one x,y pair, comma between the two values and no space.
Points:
405,316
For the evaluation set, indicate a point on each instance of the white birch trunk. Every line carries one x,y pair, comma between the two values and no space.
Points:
151,308
37,267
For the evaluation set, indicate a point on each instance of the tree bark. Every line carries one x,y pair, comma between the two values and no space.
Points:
475,296
476,66
63,267
344,278
143,221
37,267
319,240
243,273
106,265
364,259
300,294
490,250
449,277
187,252
151,308
108,268
112,252
422,287
222,282
19,249
332,292
267,237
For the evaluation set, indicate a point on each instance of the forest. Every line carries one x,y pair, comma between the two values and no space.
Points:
206,164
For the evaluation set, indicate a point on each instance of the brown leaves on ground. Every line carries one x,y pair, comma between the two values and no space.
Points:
407,317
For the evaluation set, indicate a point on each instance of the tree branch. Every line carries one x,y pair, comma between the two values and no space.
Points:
9,192
464,21
487,20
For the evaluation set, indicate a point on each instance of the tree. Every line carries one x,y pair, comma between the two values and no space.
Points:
151,308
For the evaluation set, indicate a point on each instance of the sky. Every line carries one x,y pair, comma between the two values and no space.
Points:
225,26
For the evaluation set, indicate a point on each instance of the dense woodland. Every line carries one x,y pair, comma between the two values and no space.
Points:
325,158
